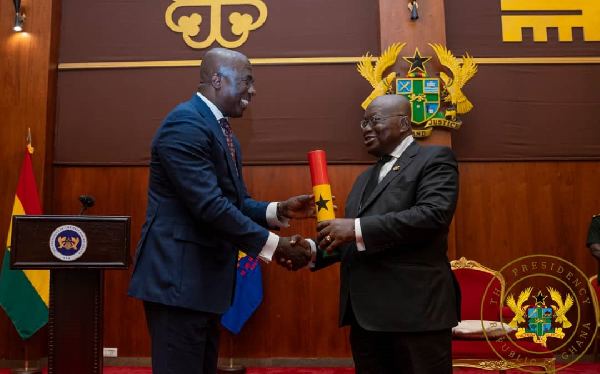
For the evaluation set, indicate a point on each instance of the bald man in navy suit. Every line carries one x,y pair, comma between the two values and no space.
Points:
199,215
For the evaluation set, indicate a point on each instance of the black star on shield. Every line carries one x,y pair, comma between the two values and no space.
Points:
539,298
416,62
321,203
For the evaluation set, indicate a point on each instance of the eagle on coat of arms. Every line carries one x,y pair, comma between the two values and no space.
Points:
374,74
461,73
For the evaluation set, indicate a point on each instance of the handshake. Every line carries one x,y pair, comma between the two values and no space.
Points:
293,253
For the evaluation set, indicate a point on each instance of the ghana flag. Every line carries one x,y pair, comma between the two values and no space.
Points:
24,293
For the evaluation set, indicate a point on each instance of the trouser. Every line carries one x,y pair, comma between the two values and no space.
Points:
183,340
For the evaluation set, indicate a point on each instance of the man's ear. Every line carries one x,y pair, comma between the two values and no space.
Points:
406,125
215,81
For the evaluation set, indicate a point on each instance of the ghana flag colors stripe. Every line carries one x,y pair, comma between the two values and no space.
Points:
24,293
321,187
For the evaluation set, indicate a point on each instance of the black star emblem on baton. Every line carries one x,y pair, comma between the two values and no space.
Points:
322,204
416,62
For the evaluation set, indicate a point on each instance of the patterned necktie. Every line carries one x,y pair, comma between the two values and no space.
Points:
374,178
229,137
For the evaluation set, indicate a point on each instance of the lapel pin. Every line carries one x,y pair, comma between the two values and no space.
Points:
396,168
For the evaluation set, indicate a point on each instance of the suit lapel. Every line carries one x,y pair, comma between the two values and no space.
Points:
214,125
364,182
405,159
236,173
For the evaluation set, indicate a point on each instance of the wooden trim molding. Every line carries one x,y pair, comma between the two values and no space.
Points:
315,60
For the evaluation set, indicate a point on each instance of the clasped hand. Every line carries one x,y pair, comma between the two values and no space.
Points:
332,234
293,253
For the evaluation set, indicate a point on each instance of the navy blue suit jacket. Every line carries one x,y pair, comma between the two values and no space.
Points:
199,215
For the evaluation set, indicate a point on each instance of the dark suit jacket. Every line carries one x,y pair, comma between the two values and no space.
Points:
198,215
403,281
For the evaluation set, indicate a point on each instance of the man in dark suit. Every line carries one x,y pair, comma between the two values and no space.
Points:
199,215
593,240
397,291
593,237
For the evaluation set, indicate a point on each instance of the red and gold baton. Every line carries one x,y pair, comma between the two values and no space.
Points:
321,187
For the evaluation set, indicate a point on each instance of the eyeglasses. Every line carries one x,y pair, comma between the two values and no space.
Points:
376,119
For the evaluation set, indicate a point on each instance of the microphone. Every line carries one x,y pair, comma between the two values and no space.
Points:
87,201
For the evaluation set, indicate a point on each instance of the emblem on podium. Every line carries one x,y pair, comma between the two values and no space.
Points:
68,243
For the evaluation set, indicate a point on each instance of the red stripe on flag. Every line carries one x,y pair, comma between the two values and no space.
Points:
27,190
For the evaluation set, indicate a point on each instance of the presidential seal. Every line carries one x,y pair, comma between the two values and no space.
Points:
548,306
68,243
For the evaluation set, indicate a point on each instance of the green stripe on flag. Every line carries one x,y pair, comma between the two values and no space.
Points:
20,300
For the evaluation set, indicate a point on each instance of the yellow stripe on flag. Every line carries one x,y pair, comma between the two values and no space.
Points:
39,279
17,211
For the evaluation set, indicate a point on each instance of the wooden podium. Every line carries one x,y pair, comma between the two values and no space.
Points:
75,324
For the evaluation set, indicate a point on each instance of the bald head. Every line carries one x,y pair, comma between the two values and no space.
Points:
227,81
389,117
219,61
397,104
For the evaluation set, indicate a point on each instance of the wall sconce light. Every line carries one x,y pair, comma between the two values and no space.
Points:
19,18
412,6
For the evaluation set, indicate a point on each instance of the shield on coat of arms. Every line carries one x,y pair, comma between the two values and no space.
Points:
539,321
423,94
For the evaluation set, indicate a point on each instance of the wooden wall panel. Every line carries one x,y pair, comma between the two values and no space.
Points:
27,76
512,209
505,210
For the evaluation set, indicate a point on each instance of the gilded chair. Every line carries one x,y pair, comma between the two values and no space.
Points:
595,291
470,348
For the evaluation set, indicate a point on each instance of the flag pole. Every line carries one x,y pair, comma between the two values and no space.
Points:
26,356
26,369
231,368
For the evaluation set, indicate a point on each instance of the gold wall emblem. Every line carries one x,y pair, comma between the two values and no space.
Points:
241,24
432,105
512,25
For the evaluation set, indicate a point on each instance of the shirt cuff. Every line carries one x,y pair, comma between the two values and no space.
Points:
272,219
360,243
266,254
313,249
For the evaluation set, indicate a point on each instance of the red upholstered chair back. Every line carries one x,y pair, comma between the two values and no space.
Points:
473,279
